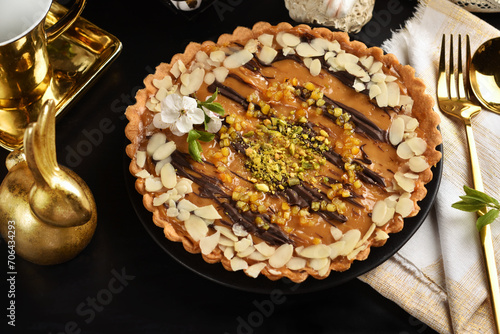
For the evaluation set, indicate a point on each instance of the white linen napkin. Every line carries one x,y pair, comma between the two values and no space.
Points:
439,275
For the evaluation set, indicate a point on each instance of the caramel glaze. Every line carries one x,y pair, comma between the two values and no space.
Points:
377,157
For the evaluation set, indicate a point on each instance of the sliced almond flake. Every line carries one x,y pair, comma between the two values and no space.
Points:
252,45
307,62
168,176
382,98
290,40
209,78
296,263
246,252
220,73
389,214
374,91
208,244
404,151
239,230
412,176
279,39
218,56
376,66
366,61
159,200
358,85
315,67
265,249
334,65
405,195
350,238
196,227
143,174
238,264
405,100
379,212
237,59
367,235
335,232
318,264
411,125
393,94
328,55
170,203
282,255
396,131
391,201
140,158
164,151
183,215
334,46
257,256
224,241
336,249
418,164
207,212
196,79
153,184
378,77
187,205
228,252
390,78
344,58
355,69
315,251
418,145
404,207
266,39
201,56
267,54
165,83
405,183
184,186
325,270
161,94
172,212
155,141
381,235
322,44
226,232
152,106
255,269
242,244
352,255
158,123
288,51
178,68
304,49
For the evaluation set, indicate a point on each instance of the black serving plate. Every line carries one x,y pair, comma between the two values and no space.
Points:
262,284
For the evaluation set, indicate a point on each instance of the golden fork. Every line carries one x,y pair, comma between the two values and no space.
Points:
453,99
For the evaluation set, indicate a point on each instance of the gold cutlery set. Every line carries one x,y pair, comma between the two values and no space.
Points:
455,91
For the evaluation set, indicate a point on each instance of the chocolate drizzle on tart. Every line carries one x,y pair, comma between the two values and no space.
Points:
325,147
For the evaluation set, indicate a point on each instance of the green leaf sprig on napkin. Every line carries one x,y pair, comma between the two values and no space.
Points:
474,201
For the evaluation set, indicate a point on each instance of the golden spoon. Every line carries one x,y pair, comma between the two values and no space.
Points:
484,74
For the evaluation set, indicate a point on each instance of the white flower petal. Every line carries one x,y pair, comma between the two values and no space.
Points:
196,116
214,125
184,124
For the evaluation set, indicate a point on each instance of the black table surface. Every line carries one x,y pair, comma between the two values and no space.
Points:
123,282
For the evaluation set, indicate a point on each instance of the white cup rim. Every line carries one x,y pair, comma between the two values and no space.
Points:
39,11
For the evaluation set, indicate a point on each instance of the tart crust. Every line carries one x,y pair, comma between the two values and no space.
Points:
136,132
